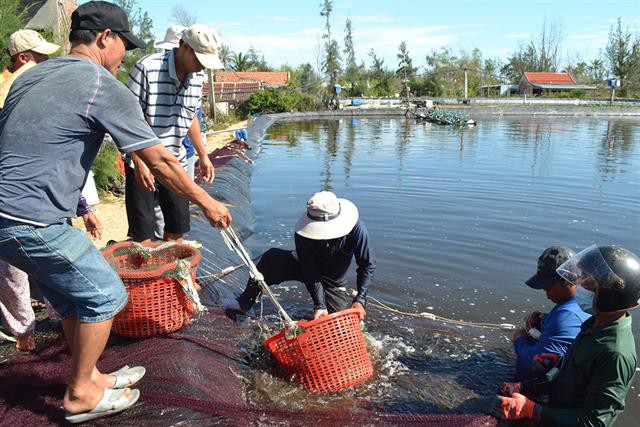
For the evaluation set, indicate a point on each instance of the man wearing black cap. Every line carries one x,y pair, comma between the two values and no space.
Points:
51,127
558,328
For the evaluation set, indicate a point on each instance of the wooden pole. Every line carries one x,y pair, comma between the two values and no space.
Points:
613,94
212,96
466,91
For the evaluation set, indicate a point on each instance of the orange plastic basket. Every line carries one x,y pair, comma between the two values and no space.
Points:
157,304
329,356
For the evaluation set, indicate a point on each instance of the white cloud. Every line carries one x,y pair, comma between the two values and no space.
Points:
516,36
301,46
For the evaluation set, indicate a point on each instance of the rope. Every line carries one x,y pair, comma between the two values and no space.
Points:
431,316
233,243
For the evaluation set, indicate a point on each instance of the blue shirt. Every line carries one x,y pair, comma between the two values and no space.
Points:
324,263
51,128
559,328
186,142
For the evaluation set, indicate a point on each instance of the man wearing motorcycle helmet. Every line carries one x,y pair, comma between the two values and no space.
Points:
598,369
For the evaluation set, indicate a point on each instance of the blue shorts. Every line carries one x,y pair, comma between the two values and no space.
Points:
71,273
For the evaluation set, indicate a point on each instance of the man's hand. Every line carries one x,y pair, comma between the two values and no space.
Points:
207,172
360,308
320,313
92,224
144,176
516,407
520,332
217,214
534,320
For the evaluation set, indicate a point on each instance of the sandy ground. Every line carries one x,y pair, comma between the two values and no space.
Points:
111,211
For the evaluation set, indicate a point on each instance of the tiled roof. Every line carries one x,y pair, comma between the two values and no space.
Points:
269,78
549,78
232,91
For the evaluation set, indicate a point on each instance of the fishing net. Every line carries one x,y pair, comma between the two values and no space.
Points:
216,370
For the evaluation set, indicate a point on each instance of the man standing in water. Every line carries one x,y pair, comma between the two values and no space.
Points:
328,236
51,128
596,373
559,327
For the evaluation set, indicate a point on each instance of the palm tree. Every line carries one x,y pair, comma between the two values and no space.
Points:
226,55
240,62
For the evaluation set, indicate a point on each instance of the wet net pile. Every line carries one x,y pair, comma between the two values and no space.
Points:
216,371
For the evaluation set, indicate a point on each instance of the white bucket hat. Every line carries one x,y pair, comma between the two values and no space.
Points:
171,38
327,217
205,43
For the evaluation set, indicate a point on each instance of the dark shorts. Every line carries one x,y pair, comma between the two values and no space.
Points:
140,205
279,265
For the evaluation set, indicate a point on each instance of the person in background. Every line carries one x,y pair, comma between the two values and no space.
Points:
597,371
169,88
328,236
15,294
558,328
26,49
58,113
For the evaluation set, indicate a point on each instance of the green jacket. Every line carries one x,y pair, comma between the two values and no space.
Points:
595,377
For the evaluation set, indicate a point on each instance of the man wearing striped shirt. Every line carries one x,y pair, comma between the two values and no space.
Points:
169,88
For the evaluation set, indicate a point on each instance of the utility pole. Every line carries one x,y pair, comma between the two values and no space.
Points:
212,96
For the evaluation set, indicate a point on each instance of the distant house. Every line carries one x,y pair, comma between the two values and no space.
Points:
237,86
535,83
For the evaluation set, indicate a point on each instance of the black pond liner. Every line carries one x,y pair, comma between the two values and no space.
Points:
194,376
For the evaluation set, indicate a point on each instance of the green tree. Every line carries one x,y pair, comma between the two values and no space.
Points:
382,82
240,62
304,78
256,60
405,63
596,71
623,55
225,54
12,17
331,60
541,54
353,72
142,26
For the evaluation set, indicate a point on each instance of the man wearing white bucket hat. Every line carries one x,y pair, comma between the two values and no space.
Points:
169,88
328,236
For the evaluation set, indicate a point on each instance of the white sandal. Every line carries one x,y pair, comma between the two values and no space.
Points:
112,402
126,376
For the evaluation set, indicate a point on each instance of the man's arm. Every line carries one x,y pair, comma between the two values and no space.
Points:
606,392
310,273
138,84
366,261
195,136
166,168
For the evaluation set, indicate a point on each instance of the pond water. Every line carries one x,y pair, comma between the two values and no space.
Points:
457,219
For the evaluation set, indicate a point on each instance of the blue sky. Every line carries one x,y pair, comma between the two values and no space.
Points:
288,31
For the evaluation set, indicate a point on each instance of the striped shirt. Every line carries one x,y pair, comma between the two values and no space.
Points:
168,104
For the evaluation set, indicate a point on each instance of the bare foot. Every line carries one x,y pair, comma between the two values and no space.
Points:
25,343
77,400
103,380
